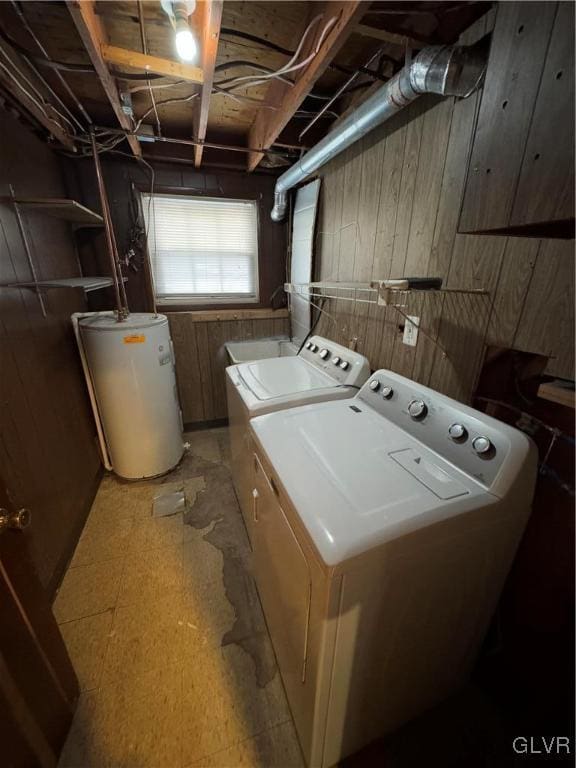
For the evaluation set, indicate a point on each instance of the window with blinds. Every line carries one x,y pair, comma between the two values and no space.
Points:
202,249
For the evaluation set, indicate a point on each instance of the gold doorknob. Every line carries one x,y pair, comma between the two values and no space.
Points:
17,520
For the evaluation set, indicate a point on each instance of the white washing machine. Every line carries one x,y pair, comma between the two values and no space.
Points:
323,370
383,529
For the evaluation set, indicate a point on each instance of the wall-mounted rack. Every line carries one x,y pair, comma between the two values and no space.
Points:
376,292
60,208
86,283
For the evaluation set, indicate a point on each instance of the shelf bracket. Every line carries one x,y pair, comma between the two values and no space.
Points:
27,248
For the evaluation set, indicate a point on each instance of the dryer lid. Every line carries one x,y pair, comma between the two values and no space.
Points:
356,480
283,376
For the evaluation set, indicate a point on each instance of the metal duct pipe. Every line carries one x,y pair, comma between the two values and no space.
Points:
444,70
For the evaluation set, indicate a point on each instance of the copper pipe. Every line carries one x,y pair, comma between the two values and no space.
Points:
121,284
194,143
110,240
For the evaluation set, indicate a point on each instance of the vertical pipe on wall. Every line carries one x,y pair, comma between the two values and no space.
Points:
120,294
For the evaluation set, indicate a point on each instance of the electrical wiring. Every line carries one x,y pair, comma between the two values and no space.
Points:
226,31
40,104
227,86
255,39
290,66
305,113
43,61
145,51
260,68
238,97
20,73
24,21
264,71
40,97
162,104
139,88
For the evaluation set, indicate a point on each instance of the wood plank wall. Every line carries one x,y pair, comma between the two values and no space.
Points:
121,175
201,359
389,207
48,454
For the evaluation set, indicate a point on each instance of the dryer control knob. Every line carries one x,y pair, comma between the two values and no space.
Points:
457,432
324,354
309,345
314,348
417,409
374,385
344,365
336,360
387,393
482,445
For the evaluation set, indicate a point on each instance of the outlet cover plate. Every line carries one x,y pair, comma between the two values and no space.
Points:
410,336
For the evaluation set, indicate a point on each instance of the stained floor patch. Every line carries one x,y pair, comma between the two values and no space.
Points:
215,507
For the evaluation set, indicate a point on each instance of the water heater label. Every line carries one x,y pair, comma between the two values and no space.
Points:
134,339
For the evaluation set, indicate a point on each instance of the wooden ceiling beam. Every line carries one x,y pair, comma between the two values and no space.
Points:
211,19
388,37
285,99
123,57
93,35
20,95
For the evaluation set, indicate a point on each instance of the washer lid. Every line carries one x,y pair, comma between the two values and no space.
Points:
108,322
282,376
356,480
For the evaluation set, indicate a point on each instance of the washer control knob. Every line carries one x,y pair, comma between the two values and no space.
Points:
336,360
324,354
374,385
457,432
344,365
387,392
482,445
309,345
417,409
314,348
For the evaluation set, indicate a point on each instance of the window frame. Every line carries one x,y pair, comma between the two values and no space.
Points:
202,303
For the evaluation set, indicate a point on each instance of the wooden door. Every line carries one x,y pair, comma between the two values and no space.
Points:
38,687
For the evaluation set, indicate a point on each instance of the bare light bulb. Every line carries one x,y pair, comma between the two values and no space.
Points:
185,43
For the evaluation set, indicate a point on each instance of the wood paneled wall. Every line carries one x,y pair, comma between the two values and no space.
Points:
200,356
201,359
120,176
48,455
389,208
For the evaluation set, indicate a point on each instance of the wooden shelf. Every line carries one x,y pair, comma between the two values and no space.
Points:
61,208
86,283
558,392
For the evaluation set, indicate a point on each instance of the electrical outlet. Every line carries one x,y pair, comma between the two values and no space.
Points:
411,330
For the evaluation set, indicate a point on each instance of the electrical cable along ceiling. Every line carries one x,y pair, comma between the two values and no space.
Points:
269,77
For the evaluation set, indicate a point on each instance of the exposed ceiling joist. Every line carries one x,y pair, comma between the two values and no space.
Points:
388,37
210,12
93,35
20,95
285,100
123,57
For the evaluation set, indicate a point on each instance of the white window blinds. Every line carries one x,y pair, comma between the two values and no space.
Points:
202,249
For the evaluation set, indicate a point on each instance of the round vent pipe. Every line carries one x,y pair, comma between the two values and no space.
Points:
443,70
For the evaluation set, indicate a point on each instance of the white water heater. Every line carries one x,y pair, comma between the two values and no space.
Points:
130,370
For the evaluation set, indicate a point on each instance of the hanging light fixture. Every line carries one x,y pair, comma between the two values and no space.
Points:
178,12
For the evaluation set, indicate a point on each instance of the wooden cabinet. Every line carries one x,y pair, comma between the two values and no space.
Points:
521,172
